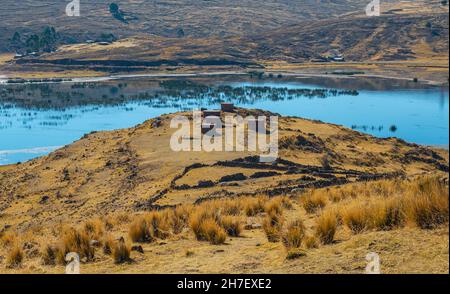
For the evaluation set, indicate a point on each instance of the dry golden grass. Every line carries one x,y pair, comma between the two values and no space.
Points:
181,218
387,214
341,193
14,257
139,230
286,202
294,234
326,226
122,218
94,228
272,226
386,205
109,223
211,231
108,244
232,225
311,241
391,204
158,223
314,200
229,206
253,206
121,252
295,253
78,241
49,255
428,212
274,206
8,239
201,214
427,203
355,217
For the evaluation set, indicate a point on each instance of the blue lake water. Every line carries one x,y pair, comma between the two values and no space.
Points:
415,115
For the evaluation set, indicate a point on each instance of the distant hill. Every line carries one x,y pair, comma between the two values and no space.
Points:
389,37
167,18
150,35
386,38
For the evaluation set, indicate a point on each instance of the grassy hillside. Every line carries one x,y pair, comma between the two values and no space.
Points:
320,231
409,39
127,203
385,38
418,38
134,169
197,18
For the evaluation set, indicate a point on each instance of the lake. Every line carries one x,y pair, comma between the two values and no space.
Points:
35,119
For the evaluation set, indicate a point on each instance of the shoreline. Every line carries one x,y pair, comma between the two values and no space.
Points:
443,147
285,73
4,80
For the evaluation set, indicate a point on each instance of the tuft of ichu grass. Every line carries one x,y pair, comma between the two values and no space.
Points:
14,257
232,225
272,226
314,200
294,234
326,225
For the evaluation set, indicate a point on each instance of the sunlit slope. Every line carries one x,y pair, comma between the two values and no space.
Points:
135,169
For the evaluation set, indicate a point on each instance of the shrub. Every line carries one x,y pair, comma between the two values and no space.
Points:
294,234
14,257
232,225
326,226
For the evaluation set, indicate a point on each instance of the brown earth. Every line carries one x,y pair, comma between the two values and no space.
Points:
135,169
120,174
